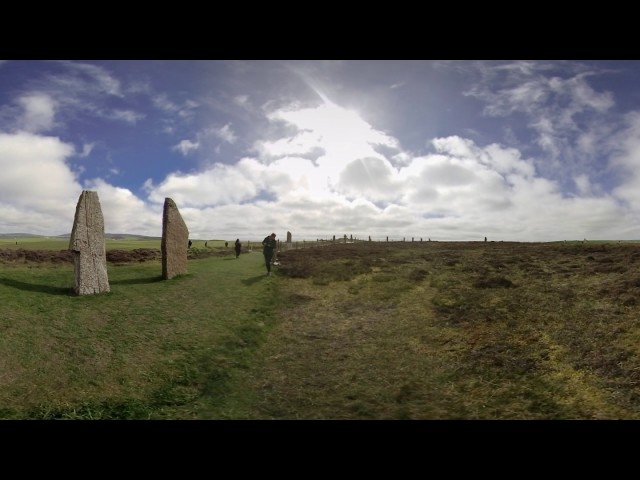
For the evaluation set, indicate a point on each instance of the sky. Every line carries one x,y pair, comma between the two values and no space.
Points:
532,150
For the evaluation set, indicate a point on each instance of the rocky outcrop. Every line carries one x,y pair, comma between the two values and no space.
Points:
175,241
88,247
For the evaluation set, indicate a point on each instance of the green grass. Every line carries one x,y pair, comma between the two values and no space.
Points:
54,243
148,349
35,243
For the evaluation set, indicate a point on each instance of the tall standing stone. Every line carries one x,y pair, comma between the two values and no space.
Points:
175,241
87,245
289,244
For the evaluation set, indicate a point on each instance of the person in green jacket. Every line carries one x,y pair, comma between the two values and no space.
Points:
269,245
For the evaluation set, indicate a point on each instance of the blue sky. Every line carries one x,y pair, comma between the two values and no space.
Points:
447,150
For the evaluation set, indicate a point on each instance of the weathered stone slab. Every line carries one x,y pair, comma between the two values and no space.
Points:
175,241
88,247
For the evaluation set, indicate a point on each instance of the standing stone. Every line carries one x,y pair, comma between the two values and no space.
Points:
289,244
175,241
87,245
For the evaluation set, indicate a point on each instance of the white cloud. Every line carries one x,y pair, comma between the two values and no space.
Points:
336,125
37,188
70,89
302,143
372,178
627,145
34,169
241,100
583,184
583,96
95,75
401,158
123,212
219,185
567,115
186,146
508,161
461,192
337,137
87,148
626,160
39,192
162,102
475,193
39,112
225,133
127,116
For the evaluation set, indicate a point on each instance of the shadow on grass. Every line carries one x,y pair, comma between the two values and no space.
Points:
137,281
252,280
32,287
230,258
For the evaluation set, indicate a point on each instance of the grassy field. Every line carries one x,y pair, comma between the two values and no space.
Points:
402,330
148,349
55,243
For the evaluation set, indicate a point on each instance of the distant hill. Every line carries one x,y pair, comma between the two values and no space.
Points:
127,236
16,235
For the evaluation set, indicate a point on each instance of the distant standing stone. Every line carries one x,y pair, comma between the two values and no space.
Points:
175,241
87,245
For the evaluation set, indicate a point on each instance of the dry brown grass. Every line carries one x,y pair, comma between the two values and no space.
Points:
455,330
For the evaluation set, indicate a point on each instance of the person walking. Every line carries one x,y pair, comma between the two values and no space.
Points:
269,245
238,247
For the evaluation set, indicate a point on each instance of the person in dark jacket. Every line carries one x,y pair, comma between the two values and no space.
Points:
269,246
238,247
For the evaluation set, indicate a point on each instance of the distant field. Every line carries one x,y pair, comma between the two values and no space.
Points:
35,243
53,243
56,243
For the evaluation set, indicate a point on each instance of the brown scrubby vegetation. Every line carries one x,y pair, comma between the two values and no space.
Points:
473,330
137,255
